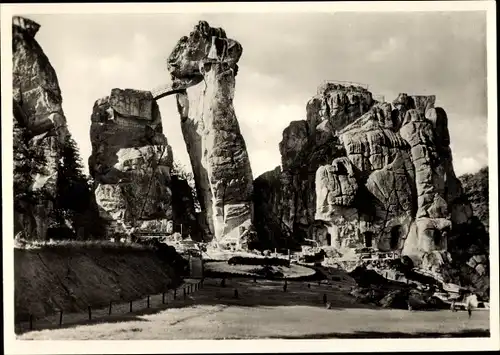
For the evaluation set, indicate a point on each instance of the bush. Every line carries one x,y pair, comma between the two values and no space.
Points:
241,260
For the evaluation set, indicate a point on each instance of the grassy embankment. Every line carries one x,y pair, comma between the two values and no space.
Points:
73,275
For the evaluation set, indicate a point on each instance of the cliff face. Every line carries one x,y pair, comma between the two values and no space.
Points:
360,173
289,198
131,162
205,64
37,109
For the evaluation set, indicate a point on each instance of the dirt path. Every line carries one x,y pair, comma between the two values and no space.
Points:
119,311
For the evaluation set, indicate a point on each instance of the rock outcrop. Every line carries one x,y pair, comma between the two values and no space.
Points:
131,162
205,63
286,197
37,109
362,173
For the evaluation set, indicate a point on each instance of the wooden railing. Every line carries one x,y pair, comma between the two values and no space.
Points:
94,312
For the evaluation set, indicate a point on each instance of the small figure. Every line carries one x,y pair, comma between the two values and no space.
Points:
469,309
324,298
223,283
452,307
236,293
308,285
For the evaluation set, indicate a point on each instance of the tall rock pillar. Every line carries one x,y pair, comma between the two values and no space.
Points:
205,63
37,108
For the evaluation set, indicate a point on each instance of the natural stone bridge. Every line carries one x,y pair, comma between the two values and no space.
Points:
133,150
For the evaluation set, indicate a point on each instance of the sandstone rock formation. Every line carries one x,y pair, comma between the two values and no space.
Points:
361,173
37,107
205,62
131,162
286,196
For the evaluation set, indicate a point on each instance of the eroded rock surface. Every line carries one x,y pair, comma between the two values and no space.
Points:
206,63
130,162
37,107
384,179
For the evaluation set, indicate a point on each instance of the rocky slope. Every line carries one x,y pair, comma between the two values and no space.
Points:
37,109
131,162
205,63
361,173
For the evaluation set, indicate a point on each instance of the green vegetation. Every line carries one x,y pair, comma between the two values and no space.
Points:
476,188
74,214
29,160
182,172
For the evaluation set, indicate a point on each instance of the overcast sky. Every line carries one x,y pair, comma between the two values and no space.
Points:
285,57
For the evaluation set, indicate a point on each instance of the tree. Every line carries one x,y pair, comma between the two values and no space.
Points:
73,191
180,170
73,187
29,160
476,189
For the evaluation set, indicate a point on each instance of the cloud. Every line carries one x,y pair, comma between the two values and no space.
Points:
387,49
285,57
470,164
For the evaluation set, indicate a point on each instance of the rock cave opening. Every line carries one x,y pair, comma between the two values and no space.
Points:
440,238
328,239
368,236
341,169
395,234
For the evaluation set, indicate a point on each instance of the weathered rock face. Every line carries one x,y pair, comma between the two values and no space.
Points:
307,145
385,178
375,193
37,107
130,162
206,61
334,107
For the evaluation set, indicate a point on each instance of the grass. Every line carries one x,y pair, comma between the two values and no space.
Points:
64,277
223,268
264,310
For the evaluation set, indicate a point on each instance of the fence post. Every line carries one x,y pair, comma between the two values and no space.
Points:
148,302
90,313
184,289
163,298
324,298
60,317
31,321
175,293
130,306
